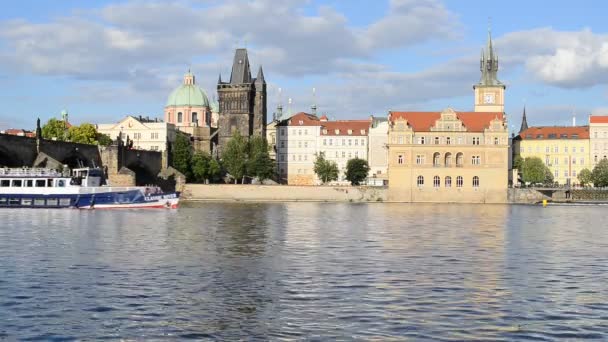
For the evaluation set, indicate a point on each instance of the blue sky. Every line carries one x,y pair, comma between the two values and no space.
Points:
102,60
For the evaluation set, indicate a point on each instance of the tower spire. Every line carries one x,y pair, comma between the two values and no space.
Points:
313,108
524,122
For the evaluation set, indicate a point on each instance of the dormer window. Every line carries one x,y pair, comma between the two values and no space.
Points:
350,132
324,131
362,132
301,122
337,131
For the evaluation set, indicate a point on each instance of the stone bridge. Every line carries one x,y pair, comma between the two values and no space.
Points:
123,166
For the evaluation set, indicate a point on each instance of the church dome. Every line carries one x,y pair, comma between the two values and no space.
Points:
188,95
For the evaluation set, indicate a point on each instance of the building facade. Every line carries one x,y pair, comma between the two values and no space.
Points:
303,136
453,156
242,101
598,136
146,134
564,150
377,151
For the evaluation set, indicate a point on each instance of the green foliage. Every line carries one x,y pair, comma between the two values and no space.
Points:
205,168
599,176
83,134
585,177
54,129
182,155
356,170
326,170
534,171
234,157
517,162
259,163
104,139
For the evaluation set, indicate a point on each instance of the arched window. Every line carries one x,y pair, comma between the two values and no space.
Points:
448,159
400,159
476,182
448,182
436,140
179,117
169,117
459,159
495,141
420,181
436,159
459,182
448,141
195,118
436,182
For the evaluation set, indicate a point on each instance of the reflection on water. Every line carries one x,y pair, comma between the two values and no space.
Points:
305,270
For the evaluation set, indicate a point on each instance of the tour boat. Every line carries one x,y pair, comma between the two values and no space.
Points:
82,189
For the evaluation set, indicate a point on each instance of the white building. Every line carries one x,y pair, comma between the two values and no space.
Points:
303,136
378,151
145,133
598,138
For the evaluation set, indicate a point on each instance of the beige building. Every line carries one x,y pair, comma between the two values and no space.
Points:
146,134
453,156
598,136
563,149
378,151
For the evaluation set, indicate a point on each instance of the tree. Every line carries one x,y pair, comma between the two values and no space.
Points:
234,157
259,163
534,171
585,177
54,129
104,139
517,162
205,168
182,155
326,170
86,133
599,175
356,170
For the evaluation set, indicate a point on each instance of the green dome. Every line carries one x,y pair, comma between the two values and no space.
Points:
188,94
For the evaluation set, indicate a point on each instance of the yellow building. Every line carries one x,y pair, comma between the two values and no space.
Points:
453,156
564,150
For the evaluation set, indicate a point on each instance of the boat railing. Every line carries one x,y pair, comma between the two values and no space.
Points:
29,172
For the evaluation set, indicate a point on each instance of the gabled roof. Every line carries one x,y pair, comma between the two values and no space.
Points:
598,119
423,121
301,119
555,132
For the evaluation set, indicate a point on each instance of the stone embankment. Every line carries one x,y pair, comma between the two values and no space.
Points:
267,193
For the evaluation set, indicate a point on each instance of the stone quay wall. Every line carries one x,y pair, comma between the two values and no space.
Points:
264,193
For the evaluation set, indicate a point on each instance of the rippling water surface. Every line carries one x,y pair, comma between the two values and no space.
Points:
306,271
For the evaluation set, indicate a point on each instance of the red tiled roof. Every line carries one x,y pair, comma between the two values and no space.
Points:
598,119
324,118
344,125
301,119
423,121
556,132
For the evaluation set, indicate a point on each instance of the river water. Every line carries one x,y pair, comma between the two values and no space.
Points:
293,271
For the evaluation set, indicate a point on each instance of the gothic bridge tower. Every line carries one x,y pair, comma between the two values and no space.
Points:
242,101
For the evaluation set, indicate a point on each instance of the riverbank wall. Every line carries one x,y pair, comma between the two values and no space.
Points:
282,193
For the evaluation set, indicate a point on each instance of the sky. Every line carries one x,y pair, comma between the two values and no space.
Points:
102,60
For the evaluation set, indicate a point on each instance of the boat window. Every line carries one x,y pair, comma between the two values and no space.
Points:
17,183
61,183
13,201
29,183
49,183
26,201
51,202
94,173
39,202
5,183
2,200
64,202
40,183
